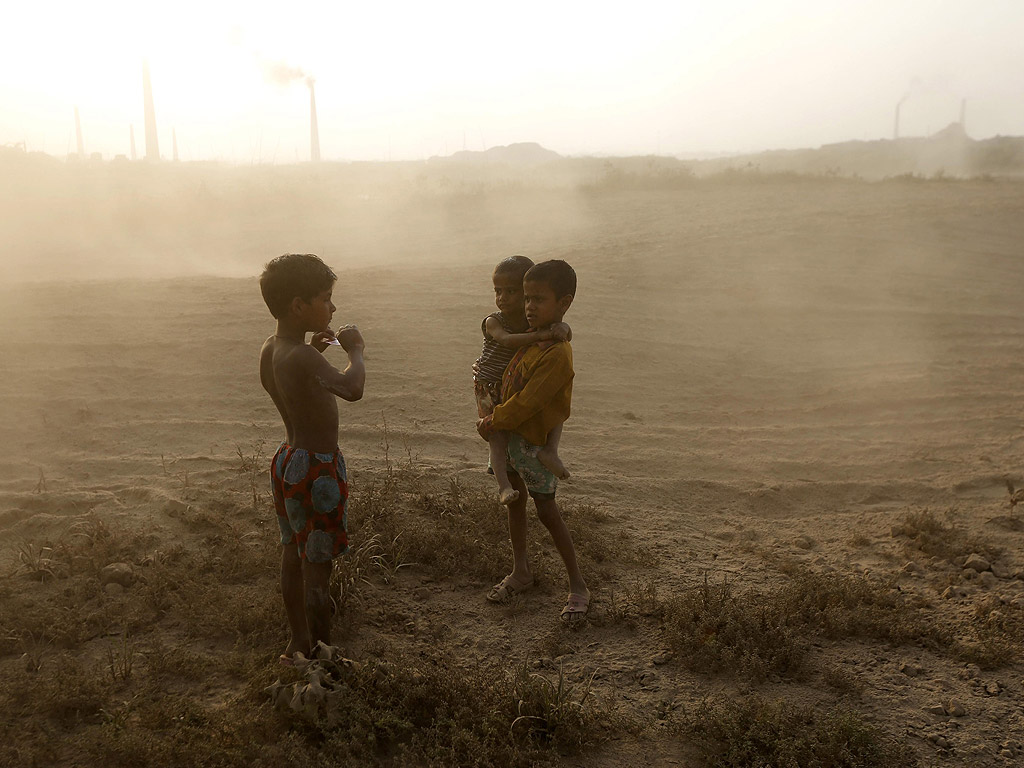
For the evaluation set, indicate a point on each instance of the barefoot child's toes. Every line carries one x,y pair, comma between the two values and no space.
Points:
507,495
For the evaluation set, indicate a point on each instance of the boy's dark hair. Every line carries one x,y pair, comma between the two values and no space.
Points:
557,274
514,265
291,275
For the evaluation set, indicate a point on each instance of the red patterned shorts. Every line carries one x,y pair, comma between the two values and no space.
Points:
311,499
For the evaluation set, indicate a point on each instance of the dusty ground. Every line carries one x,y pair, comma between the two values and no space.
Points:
766,372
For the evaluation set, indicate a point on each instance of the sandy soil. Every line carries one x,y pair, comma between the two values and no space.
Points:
794,365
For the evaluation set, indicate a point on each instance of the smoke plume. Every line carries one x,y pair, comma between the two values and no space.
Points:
280,73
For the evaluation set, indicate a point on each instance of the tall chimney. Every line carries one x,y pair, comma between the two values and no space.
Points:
152,146
174,143
314,131
78,134
131,135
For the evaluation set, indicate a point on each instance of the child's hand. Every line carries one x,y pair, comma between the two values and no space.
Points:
559,331
483,427
351,339
322,339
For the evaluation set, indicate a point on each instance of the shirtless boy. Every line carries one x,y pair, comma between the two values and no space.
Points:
308,475
536,392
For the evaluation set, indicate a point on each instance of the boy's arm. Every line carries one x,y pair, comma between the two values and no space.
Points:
517,340
552,373
347,384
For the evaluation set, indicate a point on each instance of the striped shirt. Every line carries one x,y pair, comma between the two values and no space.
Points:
494,357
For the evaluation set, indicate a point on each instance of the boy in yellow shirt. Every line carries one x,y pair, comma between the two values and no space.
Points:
536,393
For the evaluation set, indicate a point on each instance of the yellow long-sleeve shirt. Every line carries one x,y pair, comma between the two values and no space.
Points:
536,392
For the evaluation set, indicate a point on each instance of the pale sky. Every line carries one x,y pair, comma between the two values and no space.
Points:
407,80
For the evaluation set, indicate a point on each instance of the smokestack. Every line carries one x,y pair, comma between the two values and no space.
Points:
174,143
131,134
314,131
152,146
78,134
896,122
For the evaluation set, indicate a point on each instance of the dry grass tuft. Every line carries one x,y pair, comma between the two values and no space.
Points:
753,733
416,711
764,634
713,627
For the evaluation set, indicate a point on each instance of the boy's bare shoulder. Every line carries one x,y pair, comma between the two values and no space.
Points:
292,357
268,348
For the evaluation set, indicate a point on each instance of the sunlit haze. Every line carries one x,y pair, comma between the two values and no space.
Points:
412,80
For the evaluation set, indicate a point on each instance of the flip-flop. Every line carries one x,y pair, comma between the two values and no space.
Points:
506,589
576,608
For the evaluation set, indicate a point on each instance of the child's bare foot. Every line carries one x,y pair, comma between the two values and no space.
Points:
554,465
507,495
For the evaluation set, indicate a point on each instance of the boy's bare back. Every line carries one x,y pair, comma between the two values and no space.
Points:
309,412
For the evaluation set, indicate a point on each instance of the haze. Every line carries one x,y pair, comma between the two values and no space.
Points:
409,81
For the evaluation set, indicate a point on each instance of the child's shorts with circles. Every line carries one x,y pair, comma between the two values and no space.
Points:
522,460
311,499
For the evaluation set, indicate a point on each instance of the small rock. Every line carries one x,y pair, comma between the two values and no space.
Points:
987,579
936,709
968,574
804,542
911,567
663,658
949,593
421,594
976,562
993,688
955,708
113,589
175,508
117,573
939,741
910,670
1000,571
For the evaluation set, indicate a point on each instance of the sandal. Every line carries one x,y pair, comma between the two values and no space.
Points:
507,588
576,608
